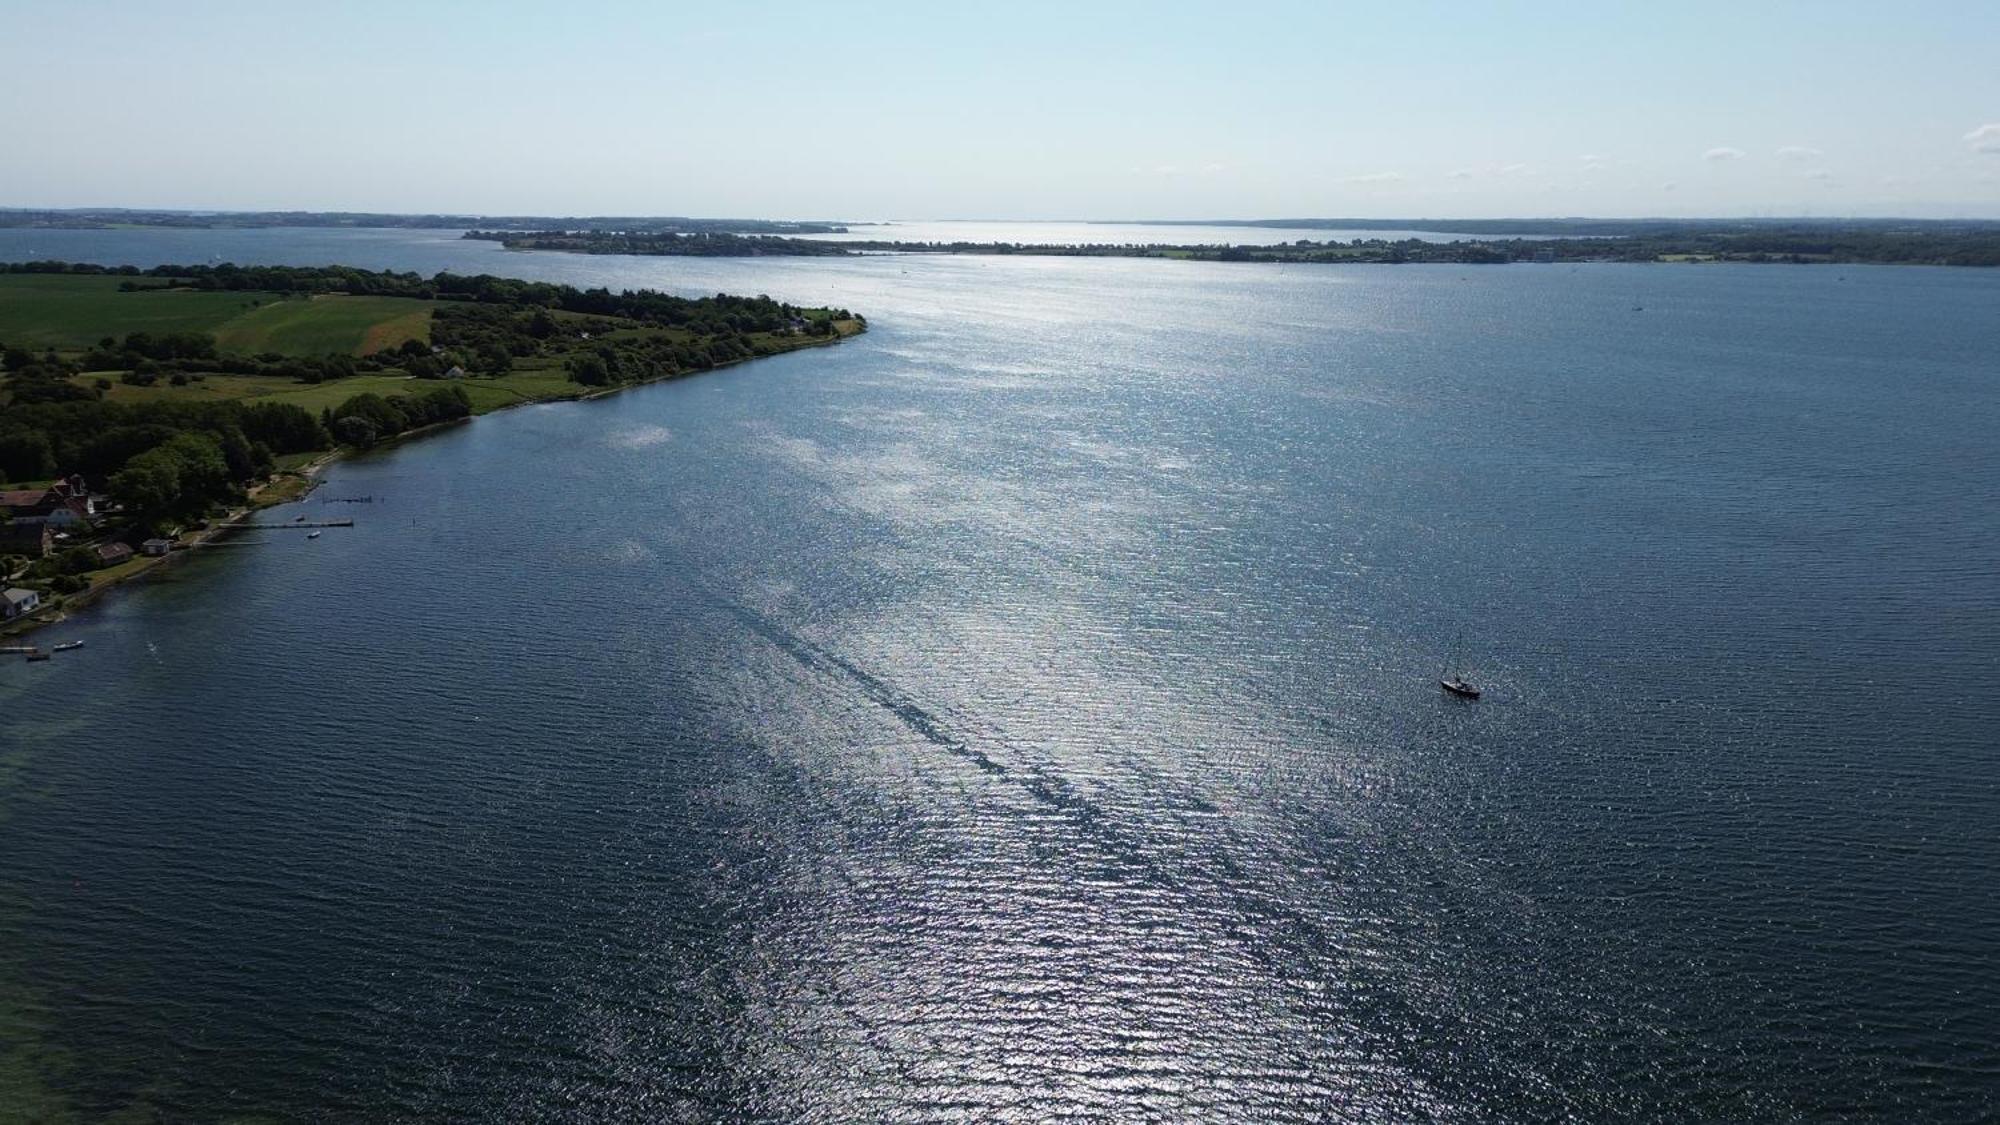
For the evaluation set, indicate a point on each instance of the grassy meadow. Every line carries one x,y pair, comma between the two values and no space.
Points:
327,324
487,394
63,311
67,311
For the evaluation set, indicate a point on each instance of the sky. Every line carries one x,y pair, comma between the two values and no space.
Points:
860,110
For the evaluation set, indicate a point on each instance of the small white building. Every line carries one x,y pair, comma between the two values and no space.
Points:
16,602
156,547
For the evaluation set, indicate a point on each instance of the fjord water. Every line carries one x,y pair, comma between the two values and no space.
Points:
1028,710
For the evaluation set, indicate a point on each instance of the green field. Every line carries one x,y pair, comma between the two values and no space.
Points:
512,389
65,311
327,324
60,311
73,312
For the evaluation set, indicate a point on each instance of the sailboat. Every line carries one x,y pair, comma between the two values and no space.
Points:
1455,683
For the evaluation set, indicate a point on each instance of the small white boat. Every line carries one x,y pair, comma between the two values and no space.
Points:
312,535
65,646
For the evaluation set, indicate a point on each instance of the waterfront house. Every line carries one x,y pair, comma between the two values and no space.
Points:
65,504
156,548
111,554
31,539
72,491
15,602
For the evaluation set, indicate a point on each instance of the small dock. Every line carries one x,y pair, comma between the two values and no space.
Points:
296,525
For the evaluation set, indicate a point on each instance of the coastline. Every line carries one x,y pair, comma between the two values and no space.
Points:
296,484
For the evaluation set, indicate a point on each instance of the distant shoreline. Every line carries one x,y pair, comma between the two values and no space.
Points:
1795,245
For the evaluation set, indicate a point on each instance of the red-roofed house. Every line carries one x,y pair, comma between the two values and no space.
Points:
63,504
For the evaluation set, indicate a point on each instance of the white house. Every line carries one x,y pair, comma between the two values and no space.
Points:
14,602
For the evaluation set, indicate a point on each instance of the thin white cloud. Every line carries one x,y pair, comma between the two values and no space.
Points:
1516,170
1375,178
1460,174
1799,153
1723,153
1986,138
1820,174
1591,163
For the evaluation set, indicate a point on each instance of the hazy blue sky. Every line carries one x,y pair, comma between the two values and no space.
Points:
1017,110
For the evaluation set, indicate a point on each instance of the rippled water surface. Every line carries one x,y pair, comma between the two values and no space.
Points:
1028,710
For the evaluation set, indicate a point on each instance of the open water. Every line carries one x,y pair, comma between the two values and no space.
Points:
1028,711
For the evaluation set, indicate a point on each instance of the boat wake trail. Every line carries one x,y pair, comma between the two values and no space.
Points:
1331,994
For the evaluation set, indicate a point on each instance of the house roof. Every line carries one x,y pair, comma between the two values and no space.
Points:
16,595
110,550
23,497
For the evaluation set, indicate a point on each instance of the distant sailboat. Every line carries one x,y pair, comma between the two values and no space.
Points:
1455,683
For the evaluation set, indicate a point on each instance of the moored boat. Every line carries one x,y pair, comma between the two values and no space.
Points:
65,646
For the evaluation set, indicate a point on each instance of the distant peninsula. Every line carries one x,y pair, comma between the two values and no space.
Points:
688,244
144,411
116,218
1888,242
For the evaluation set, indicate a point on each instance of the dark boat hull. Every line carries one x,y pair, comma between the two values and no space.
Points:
1461,690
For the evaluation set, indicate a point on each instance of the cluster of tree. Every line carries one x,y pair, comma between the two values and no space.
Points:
41,378
178,357
186,474
368,418
638,360
100,439
491,337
